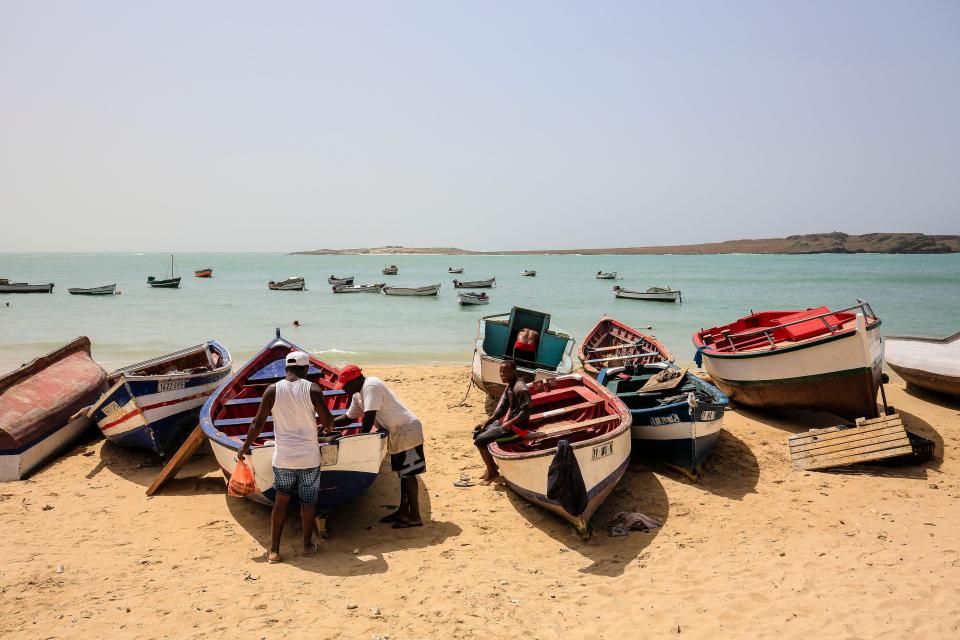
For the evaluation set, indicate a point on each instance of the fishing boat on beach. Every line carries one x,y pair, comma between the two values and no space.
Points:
474,284
22,287
206,272
172,281
529,274
677,417
105,290
574,450
928,363
339,280
657,294
293,283
350,460
606,275
496,339
454,270
42,406
612,343
151,404
469,298
392,270
814,359
429,290
358,288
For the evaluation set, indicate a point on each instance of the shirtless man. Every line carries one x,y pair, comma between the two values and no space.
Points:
508,419
525,348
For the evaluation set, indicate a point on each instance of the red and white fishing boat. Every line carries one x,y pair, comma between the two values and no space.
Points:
583,431
41,406
815,359
613,344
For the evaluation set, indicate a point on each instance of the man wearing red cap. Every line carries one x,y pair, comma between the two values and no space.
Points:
373,400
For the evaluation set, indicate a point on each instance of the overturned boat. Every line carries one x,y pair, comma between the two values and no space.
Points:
612,343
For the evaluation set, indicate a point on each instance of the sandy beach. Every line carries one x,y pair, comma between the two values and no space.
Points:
754,549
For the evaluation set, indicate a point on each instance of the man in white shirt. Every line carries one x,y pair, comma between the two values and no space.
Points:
373,400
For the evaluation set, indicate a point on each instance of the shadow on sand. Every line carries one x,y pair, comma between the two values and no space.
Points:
639,490
939,399
142,466
731,471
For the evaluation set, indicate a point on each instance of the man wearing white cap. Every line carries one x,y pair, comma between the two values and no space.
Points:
295,404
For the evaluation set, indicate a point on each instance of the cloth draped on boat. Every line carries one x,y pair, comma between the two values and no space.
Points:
565,481
698,356
627,521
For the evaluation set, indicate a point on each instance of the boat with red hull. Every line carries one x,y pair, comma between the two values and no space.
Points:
614,344
814,359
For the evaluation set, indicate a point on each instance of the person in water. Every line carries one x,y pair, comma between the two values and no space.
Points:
510,418
372,401
294,403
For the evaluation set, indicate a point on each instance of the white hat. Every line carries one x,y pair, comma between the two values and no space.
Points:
298,359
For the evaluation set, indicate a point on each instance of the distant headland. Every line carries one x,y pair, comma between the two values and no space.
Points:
835,242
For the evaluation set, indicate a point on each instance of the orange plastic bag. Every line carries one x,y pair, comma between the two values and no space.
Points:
241,482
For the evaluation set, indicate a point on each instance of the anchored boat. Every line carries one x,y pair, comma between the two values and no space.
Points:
468,298
350,460
454,270
474,284
529,274
578,430
657,294
496,337
358,288
22,287
676,422
929,363
105,290
815,359
151,403
293,283
172,281
206,272
338,280
41,406
429,290
611,343
392,270
606,275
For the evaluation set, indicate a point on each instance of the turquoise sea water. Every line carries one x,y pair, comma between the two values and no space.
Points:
912,294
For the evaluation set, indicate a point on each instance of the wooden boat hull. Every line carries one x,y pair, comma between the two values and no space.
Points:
661,296
529,274
152,411
340,281
928,363
390,271
474,284
168,283
203,273
41,406
357,288
23,287
414,292
606,334
837,374
107,290
467,299
290,284
607,276
454,271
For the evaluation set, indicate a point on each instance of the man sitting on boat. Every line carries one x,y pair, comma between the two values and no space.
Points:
373,400
508,419
296,454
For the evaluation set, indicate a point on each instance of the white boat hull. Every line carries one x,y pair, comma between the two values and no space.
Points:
16,465
929,363
417,292
665,296
485,373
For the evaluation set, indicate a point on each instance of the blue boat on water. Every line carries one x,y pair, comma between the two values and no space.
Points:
677,416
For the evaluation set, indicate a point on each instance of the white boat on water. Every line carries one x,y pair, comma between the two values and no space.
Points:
606,275
474,284
929,363
358,288
293,283
338,280
106,290
429,290
469,298
392,270
529,273
657,294
455,270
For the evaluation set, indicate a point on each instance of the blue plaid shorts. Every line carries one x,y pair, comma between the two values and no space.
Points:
305,483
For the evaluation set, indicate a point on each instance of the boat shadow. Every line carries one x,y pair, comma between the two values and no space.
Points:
939,399
639,491
357,543
141,467
731,471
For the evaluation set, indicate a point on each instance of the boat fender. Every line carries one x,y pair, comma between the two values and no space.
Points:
565,481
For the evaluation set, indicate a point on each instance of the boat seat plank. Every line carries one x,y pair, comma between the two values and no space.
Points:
566,428
256,400
622,345
233,422
875,439
539,417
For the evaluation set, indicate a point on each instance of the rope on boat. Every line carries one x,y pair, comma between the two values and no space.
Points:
464,401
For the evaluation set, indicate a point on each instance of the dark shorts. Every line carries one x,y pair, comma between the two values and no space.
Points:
304,483
491,434
409,463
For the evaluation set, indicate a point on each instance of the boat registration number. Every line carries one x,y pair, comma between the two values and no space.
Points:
112,409
706,416
602,451
171,385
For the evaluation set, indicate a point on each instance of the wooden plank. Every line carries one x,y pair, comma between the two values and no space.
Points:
539,417
622,345
897,438
854,459
851,437
873,439
657,383
564,428
180,458
817,435
639,354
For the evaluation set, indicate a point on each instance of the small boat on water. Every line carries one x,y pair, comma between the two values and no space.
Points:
293,283
203,273
468,298
578,430
529,274
151,404
474,284
612,344
677,423
929,363
358,288
606,275
105,290
454,270
22,287
339,280
814,359
429,290
657,294
392,270
496,338
350,460
172,281
41,406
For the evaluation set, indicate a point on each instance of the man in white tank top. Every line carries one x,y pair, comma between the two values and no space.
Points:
295,403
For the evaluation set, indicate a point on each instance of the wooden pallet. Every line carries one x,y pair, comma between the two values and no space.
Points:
874,439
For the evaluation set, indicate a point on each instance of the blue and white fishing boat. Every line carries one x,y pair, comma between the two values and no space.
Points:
350,459
676,422
151,403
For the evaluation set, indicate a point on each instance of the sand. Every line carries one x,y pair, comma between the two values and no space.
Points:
754,549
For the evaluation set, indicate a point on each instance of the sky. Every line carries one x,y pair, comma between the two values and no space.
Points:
234,125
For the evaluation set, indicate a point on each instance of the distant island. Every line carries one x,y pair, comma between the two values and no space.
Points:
835,242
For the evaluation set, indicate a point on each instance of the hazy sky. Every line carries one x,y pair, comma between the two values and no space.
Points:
492,125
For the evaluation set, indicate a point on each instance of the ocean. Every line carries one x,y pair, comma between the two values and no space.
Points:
912,294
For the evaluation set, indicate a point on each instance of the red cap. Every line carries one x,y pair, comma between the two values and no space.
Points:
350,372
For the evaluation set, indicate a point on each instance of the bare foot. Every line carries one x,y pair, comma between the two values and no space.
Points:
310,550
273,557
487,478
